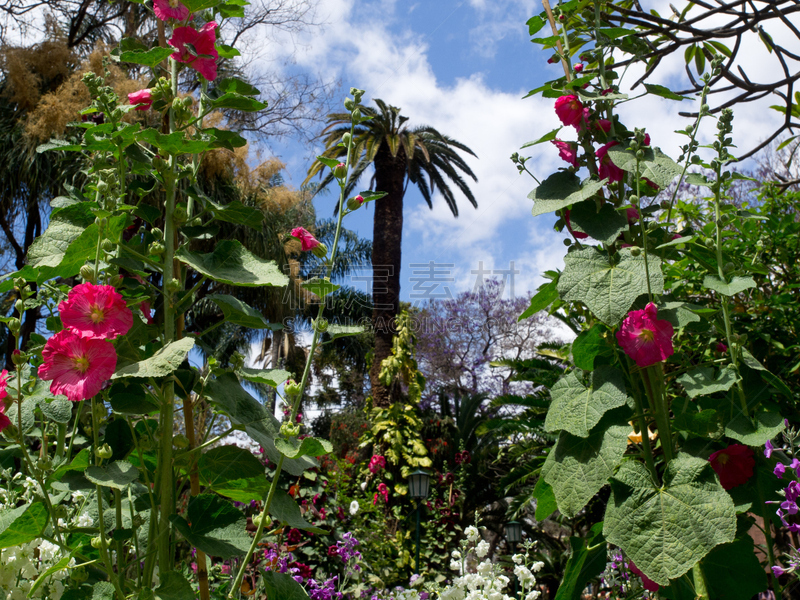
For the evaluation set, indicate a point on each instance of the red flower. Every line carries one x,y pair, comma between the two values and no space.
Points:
644,338
607,168
294,536
376,463
568,151
733,464
196,48
383,491
170,9
571,112
143,99
77,365
4,420
96,311
647,583
578,67
308,241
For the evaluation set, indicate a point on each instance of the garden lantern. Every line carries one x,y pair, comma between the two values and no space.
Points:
419,484
514,537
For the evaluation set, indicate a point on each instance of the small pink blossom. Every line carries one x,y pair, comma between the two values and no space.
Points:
604,124
608,169
96,311
552,60
646,140
568,151
722,348
308,241
376,463
578,67
78,366
4,420
143,99
170,9
571,111
196,48
383,490
646,339
360,199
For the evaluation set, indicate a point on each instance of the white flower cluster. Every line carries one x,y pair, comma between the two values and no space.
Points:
21,565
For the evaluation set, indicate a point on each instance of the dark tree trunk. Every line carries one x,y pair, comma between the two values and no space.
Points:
387,237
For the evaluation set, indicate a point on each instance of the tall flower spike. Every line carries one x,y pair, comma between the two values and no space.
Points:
78,366
646,339
96,311
196,48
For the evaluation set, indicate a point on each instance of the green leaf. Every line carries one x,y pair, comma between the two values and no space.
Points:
701,423
149,58
665,530
660,90
66,225
239,313
576,408
79,463
55,144
608,288
337,331
282,586
225,139
236,101
320,287
292,447
57,409
655,166
578,467
224,50
162,363
214,526
547,137
587,561
701,381
55,568
102,590
130,399
22,524
737,284
732,571
232,263
765,426
174,587
285,510
237,213
172,143
198,5
545,500
678,314
228,395
560,190
271,377
117,475
604,226
543,298
589,345
233,472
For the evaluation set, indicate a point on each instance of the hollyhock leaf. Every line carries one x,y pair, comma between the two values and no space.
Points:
604,225
702,423
214,526
546,503
62,564
235,101
736,285
271,377
337,331
577,468
678,314
576,408
285,510
21,525
589,345
292,447
701,381
320,287
79,462
655,166
57,409
162,363
546,295
232,263
102,590
149,58
228,395
765,426
587,561
198,5
608,288
666,530
226,139
28,418
174,586
130,398
240,313
55,144
66,225
663,92
234,473
173,143
283,586
117,475
547,137
697,179
561,190
732,571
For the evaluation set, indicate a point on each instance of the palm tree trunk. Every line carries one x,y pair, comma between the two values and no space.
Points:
387,237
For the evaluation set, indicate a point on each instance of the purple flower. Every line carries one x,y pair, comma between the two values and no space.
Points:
768,449
780,469
777,570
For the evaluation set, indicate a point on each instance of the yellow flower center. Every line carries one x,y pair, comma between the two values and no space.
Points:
174,3
723,458
96,314
81,364
647,335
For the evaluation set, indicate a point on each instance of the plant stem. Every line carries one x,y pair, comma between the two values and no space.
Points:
564,61
658,404
120,544
645,431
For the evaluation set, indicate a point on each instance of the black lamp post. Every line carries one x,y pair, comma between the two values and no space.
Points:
514,537
419,484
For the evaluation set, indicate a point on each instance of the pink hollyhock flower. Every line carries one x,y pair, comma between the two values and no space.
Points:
143,99
4,420
360,199
632,215
383,490
196,48
723,348
733,464
4,383
647,583
578,235
170,9
578,67
78,366
607,168
96,311
376,463
646,140
568,151
604,124
308,241
571,111
644,338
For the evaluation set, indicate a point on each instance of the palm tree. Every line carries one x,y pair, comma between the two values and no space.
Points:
400,155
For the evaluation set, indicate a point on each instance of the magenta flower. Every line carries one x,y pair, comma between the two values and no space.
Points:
96,311
733,464
143,99
383,490
608,169
768,448
4,420
170,9
196,48
646,339
308,241
604,124
571,112
568,151
779,470
647,583
578,67
78,366
632,215
376,463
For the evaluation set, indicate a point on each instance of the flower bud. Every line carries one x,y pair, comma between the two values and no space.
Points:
356,114
105,452
173,285
180,441
13,325
290,430
567,242
180,215
102,187
101,222
108,245
44,464
346,138
320,324
19,282
156,248
19,358
291,388
355,203
636,251
97,542
87,272
320,250
340,171
349,104
157,233
578,68
19,305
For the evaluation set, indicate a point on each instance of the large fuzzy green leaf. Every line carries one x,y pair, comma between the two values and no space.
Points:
22,524
560,190
282,586
233,472
577,408
701,381
232,263
162,363
214,526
